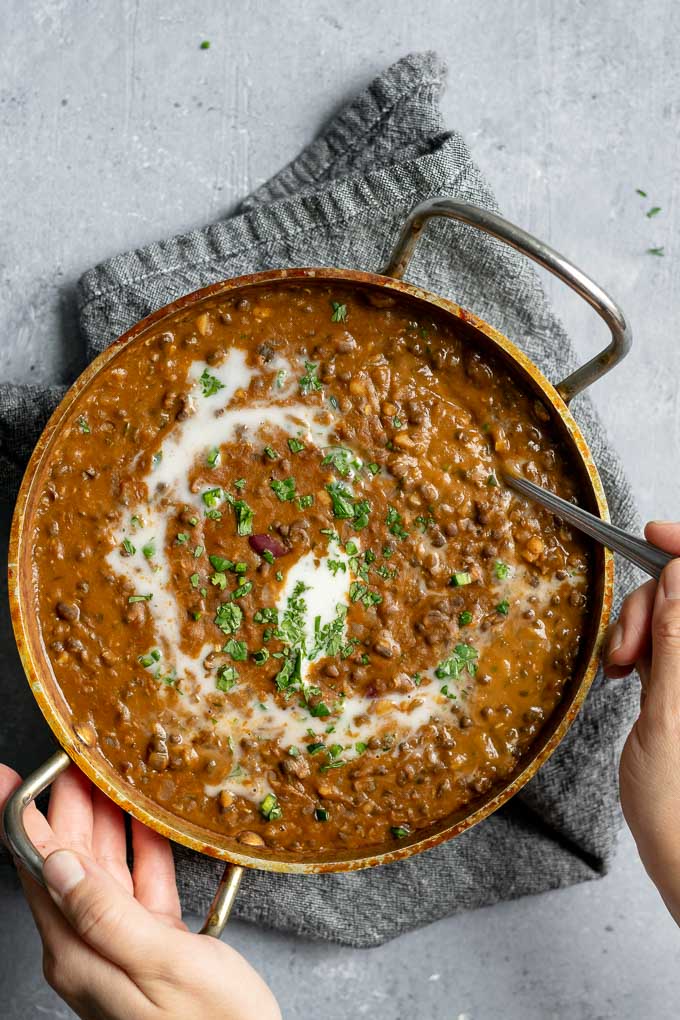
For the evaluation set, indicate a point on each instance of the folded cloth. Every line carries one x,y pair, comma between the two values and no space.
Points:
341,203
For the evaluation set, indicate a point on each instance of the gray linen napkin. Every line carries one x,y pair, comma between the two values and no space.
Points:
340,203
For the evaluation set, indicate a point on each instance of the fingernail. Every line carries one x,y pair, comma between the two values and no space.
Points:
663,523
671,580
615,640
62,872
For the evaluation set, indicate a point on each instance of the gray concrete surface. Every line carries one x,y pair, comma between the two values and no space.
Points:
116,129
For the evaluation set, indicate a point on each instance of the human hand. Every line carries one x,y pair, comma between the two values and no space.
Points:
114,945
647,637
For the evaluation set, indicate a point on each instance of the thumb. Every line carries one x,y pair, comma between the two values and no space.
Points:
663,689
105,915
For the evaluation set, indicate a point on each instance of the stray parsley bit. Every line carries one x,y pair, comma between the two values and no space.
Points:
84,427
654,211
210,383
641,193
284,489
460,579
270,808
400,831
310,381
205,45
656,251
339,312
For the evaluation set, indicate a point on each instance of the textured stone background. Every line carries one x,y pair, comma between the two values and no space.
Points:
116,130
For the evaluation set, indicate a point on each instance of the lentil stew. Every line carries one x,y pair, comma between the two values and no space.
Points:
277,575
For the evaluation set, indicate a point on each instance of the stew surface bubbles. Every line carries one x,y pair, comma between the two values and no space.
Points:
277,574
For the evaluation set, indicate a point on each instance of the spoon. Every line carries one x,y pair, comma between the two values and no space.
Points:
647,556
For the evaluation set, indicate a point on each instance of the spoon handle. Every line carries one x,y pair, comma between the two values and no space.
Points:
647,556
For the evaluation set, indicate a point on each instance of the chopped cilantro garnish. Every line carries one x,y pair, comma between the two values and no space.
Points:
319,711
464,618
84,427
140,598
226,678
310,381
213,457
242,590
359,592
303,502
205,45
339,312
182,538
395,524
341,500
210,383
218,579
654,211
321,814
656,251
261,656
503,607
400,831
492,482
228,617
460,579
268,556
281,378
501,570
295,446
240,483
361,748
270,808
149,550
294,751
266,615
342,459
284,489
237,649
244,517
464,657
397,422
211,497
150,659
128,547
220,563
423,523
271,453
195,580
198,551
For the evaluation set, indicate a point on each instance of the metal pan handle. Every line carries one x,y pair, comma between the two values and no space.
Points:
27,854
496,226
